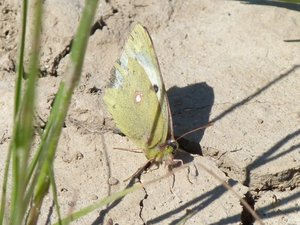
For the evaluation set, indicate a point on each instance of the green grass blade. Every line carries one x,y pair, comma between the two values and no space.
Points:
4,186
59,111
54,191
23,125
20,71
100,204
110,199
18,92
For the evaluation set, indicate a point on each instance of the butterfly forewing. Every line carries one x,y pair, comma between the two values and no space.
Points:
137,98
140,47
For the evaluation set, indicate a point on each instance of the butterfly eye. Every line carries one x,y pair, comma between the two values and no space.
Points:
173,144
155,88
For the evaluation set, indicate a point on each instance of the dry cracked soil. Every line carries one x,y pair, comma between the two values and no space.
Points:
232,62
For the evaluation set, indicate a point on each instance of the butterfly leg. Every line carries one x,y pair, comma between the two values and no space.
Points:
156,168
196,173
172,164
170,170
139,172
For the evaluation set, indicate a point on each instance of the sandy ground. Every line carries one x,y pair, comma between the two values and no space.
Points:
232,62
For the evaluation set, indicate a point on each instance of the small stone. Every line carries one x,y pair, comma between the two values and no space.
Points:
110,222
113,181
260,121
63,189
79,156
94,197
71,204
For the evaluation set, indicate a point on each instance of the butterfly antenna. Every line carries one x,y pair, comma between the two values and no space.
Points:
129,150
194,130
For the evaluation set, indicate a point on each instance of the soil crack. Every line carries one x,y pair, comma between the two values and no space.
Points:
286,179
282,180
59,57
98,25
142,204
246,217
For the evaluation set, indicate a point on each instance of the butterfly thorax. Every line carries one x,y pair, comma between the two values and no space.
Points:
163,152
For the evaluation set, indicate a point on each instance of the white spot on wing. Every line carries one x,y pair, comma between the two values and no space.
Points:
138,96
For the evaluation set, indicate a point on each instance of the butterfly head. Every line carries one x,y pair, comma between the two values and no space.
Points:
173,144
163,152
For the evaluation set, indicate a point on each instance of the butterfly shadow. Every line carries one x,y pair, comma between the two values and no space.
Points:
273,3
190,107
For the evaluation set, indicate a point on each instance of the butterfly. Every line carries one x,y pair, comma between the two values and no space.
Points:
137,100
